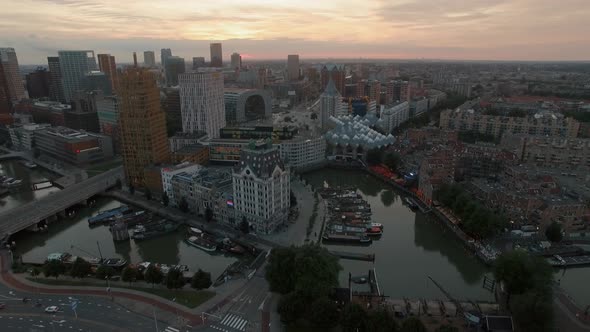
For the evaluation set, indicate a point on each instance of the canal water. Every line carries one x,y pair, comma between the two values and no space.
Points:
23,194
74,236
415,246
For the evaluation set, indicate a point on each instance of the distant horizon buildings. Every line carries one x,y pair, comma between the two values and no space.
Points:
236,61
216,55
149,58
202,102
337,74
11,72
74,65
107,65
174,66
164,54
293,67
142,125
198,62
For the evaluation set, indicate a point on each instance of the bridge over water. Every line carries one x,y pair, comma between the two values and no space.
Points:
27,215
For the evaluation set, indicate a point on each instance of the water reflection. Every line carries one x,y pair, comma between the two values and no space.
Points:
434,237
13,168
411,248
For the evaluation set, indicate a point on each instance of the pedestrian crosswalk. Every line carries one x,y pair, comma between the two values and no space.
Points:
231,322
171,329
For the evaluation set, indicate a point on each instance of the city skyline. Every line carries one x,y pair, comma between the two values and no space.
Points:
448,29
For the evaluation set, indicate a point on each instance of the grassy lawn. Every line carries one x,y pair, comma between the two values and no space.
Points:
103,167
190,299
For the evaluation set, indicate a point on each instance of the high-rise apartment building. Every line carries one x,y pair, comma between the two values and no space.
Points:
202,102
149,59
330,103
12,75
236,61
142,124
56,89
198,62
216,55
174,67
165,53
74,65
261,183
107,65
293,67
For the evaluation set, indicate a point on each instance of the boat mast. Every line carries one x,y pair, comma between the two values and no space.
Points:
99,252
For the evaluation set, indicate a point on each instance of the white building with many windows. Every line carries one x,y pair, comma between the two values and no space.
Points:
202,102
261,184
302,152
393,116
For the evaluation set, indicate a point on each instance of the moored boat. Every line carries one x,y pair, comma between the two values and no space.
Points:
114,262
154,229
346,238
411,203
201,243
108,215
374,231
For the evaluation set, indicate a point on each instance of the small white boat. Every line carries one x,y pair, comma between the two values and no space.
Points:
195,231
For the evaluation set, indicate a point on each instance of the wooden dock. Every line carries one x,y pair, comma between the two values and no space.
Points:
354,255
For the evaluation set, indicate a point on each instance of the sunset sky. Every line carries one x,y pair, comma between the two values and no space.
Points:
267,29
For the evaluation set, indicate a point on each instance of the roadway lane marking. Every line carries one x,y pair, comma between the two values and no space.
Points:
242,326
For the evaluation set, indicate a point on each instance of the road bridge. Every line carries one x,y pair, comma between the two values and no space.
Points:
27,215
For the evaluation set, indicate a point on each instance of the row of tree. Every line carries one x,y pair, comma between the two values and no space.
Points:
476,219
174,279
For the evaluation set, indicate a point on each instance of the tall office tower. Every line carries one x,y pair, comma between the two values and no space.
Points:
293,67
164,54
142,124
216,55
202,102
236,61
96,80
74,65
56,90
12,76
134,59
337,74
198,62
107,65
83,115
149,59
261,187
330,103
5,102
38,83
174,66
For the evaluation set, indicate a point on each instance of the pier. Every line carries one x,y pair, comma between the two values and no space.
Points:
354,256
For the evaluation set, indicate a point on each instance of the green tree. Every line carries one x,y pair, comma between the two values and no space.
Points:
201,280
208,214
291,307
381,320
374,156
35,272
244,225
533,311
392,160
165,199
446,328
512,269
554,232
129,274
153,275
354,318
175,279
54,268
313,116
323,312
148,194
80,268
293,198
104,272
183,205
413,324
387,197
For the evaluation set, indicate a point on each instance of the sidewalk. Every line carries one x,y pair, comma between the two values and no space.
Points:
137,301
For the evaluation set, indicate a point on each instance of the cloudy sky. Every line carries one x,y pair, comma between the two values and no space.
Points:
268,29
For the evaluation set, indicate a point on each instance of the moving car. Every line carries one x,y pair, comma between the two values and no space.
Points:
52,309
